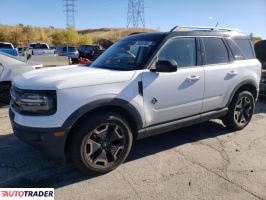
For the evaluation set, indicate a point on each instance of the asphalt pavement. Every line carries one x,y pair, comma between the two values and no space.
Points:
205,161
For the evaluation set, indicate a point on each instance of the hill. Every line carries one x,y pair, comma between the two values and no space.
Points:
21,34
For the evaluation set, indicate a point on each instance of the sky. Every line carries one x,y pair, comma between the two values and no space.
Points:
246,15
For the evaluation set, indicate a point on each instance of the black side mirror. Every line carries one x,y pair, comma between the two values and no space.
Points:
166,66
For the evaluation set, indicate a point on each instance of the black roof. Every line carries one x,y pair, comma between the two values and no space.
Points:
155,36
212,33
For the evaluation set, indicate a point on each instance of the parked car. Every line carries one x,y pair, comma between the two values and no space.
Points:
105,44
260,49
263,81
11,66
41,49
90,52
68,51
21,51
143,85
8,48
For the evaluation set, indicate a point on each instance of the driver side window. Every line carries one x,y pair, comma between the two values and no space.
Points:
181,50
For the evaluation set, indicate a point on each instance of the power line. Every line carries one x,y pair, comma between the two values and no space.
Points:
135,14
70,6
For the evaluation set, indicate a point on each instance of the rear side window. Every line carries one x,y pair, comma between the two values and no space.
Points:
96,48
72,49
5,46
88,49
39,46
81,48
215,51
182,50
246,48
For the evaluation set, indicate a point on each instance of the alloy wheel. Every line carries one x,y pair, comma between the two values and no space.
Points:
243,111
104,145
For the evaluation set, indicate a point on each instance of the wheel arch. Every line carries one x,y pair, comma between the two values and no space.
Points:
248,85
5,82
118,106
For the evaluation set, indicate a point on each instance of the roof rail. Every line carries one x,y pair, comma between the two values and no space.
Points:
182,28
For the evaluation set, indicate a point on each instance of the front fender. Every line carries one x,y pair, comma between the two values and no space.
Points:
123,104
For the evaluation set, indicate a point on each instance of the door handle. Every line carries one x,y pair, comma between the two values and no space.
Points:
193,78
233,72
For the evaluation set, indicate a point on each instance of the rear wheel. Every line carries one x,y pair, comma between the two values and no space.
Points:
5,94
101,144
240,111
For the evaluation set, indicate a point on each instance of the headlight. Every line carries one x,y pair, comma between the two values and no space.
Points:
33,102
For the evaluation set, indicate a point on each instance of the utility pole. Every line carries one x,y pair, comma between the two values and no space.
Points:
135,14
70,6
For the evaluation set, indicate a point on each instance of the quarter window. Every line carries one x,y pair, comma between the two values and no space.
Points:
246,47
237,53
215,51
182,50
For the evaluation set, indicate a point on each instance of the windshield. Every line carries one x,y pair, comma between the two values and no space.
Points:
126,55
72,49
39,46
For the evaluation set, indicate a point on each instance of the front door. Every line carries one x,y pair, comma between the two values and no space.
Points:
175,95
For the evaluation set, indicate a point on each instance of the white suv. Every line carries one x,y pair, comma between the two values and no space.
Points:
145,84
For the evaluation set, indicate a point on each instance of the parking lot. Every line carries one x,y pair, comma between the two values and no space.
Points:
205,161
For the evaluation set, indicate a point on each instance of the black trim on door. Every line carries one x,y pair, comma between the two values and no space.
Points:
181,123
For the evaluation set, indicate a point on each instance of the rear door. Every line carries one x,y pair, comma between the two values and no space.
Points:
221,73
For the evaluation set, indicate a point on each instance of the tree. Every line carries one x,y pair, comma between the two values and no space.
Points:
29,34
42,35
2,36
84,39
15,36
71,36
58,38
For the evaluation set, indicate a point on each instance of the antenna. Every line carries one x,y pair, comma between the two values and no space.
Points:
135,14
70,12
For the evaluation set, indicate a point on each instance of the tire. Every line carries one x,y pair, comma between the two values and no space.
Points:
5,94
101,143
240,111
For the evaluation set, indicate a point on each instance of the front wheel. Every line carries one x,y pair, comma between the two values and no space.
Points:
240,111
101,143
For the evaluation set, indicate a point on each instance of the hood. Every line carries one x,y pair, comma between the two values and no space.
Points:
70,77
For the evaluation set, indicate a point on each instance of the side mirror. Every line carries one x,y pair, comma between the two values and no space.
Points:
166,66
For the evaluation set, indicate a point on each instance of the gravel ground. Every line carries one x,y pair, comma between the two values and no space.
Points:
206,161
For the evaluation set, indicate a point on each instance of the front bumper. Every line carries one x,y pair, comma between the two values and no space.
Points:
41,138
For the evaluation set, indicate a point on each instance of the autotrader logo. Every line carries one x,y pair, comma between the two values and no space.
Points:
27,193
